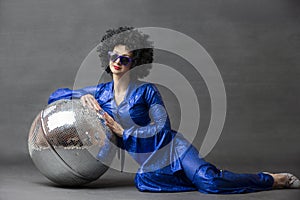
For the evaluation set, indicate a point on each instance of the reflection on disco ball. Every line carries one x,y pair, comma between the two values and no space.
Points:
70,144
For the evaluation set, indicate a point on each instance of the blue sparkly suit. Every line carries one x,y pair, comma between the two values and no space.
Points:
168,162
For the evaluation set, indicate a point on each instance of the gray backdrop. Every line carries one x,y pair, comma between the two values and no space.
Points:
255,44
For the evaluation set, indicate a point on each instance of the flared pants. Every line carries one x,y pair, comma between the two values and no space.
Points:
208,179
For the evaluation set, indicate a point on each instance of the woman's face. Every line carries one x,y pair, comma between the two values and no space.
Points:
117,67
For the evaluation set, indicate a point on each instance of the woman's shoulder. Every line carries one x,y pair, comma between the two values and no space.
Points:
104,89
105,85
144,90
142,85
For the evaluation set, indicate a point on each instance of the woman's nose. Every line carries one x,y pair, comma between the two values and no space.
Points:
117,61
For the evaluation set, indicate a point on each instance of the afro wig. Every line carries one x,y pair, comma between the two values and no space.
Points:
135,41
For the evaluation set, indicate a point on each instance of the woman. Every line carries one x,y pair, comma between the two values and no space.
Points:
135,112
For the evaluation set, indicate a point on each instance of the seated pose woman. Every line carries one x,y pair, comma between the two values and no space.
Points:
135,112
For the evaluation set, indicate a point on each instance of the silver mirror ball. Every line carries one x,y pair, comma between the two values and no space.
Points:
70,144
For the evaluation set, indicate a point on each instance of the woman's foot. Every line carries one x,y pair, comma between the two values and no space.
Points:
285,180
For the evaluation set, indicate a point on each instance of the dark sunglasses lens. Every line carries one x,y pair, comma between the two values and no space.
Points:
124,60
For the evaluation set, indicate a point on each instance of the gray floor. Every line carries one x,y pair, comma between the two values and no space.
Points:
22,181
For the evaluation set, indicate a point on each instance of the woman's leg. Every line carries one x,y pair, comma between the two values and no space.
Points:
208,179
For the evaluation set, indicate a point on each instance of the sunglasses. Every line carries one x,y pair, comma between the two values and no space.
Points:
124,60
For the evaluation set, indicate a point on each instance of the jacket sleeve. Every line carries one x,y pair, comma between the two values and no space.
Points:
143,139
66,93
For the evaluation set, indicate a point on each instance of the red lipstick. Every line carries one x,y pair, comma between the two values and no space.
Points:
117,67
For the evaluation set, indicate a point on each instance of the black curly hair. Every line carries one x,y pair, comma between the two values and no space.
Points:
136,42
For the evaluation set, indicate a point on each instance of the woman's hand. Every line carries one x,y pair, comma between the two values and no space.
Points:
113,125
89,100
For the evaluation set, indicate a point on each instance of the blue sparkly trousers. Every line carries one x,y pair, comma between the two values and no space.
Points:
208,179
197,174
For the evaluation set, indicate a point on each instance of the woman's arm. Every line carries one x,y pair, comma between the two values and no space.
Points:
66,93
157,133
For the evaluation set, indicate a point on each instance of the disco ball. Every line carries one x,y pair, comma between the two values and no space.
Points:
70,144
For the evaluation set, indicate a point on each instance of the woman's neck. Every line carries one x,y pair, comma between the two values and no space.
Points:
121,83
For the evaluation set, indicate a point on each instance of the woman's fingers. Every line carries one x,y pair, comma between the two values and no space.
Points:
90,101
96,104
108,118
83,101
113,125
109,121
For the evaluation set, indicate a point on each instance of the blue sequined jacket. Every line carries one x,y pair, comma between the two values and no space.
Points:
147,135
